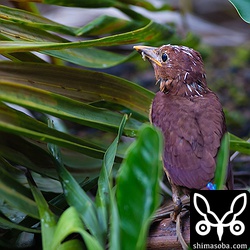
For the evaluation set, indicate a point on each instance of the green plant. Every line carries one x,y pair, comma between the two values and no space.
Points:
83,164
73,94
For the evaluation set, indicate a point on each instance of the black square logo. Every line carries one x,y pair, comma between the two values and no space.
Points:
219,219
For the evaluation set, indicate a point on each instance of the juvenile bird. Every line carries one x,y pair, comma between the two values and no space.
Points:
190,117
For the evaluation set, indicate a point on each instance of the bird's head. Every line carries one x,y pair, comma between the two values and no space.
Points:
178,69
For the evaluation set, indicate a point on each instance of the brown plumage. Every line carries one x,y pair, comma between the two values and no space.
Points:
189,115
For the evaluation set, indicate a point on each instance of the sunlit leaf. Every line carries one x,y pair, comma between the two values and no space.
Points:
68,224
71,244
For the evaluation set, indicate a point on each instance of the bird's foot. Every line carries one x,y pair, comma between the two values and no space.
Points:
177,209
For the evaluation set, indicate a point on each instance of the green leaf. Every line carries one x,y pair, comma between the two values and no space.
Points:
64,107
99,26
83,4
238,144
222,163
70,223
82,85
16,122
103,196
242,7
32,20
138,187
76,197
16,194
6,223
47,218
149,33
114,236
17,150
106,25
71,244
88,57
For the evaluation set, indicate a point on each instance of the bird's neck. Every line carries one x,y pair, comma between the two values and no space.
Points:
188,89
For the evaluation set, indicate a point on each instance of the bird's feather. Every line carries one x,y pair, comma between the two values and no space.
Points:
192,130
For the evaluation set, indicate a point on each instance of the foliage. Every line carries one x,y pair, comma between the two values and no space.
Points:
242,7
49,174
89,98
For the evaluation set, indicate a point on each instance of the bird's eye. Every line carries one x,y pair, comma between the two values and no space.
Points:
164,57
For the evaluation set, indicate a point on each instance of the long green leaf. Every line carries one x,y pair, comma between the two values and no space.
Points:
83,85
99,26
83,4
17,150
48,219
102,3
88,57
5,222
106,24
64,107
16,194
103,197
237,144
222,163
33,20
137,188
18,123
114,236
76,197
149,33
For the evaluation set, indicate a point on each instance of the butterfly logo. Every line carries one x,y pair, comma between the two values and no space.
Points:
210,219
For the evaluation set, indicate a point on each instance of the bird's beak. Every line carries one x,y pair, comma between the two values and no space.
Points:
149,53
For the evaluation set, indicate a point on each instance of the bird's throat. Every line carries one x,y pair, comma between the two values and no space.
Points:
175,87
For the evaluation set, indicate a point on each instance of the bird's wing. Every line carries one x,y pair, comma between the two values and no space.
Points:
192,133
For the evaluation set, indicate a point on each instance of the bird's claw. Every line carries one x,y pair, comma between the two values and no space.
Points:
177,209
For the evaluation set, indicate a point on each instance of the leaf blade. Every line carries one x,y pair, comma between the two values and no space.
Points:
104,193
63,107
77,197
83,85
222,163
151,31
242,7
137,188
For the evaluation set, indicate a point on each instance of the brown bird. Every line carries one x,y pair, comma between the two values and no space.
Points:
190,117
